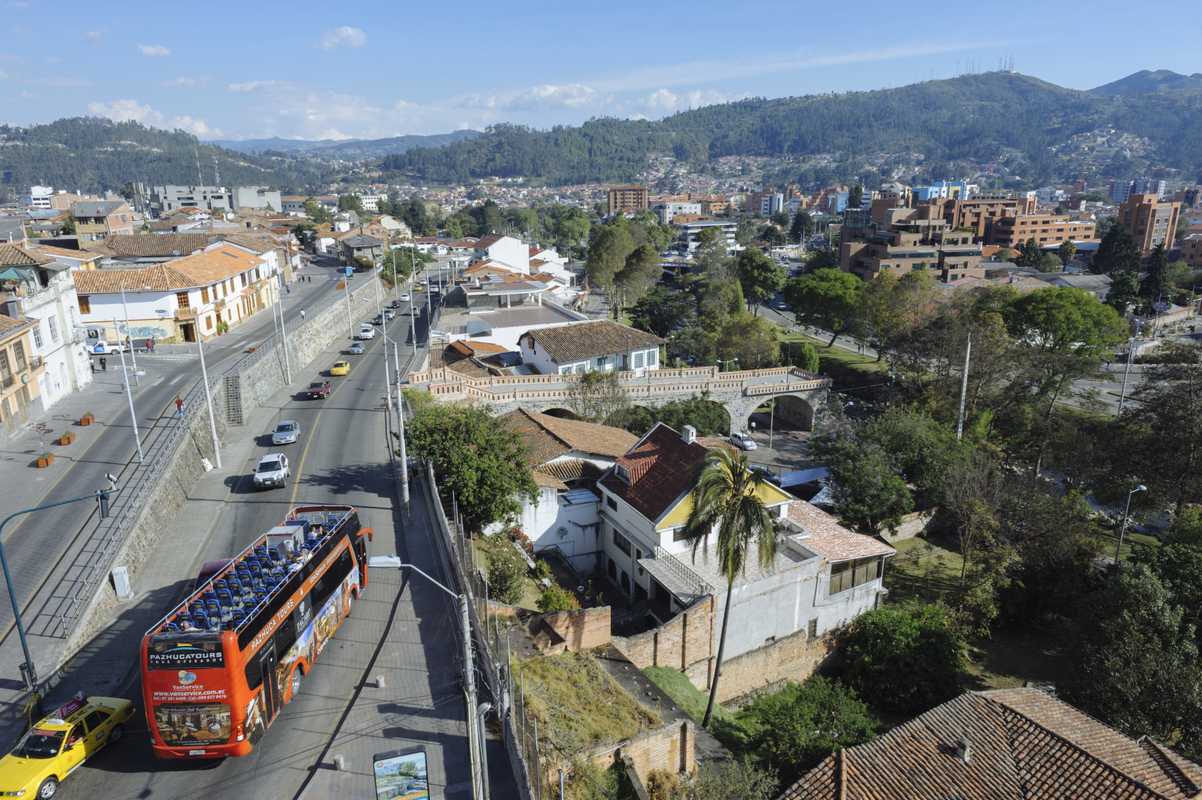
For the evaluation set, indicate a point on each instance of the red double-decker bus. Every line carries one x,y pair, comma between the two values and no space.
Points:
217,670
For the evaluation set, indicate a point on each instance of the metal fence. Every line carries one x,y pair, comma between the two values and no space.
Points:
493,657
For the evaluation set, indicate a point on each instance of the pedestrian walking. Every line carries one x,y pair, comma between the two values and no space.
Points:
179,406
302,313
92,364
104,364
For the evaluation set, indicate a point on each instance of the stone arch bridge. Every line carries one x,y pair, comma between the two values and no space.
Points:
740,392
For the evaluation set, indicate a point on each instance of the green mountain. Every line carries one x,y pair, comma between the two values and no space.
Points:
1148,80
346,149
95,154
1038,131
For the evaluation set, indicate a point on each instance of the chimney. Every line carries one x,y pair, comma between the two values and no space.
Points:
964,750
688,434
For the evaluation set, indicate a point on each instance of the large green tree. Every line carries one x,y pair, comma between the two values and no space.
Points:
728,507
607,251
1155,282
760,276
908,658
640,272
869,493
826,298
664,310
1136,662
801,227
1117,252
475,457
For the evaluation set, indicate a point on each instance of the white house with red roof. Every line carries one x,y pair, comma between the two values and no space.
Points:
507,250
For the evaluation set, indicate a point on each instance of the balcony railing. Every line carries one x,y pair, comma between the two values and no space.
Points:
185,313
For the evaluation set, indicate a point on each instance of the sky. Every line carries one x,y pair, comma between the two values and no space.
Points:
375,68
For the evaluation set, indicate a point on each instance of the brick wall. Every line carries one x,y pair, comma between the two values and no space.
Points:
578,630
670,747
683,643
794,658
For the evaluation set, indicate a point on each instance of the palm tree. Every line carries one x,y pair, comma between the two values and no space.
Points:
726,501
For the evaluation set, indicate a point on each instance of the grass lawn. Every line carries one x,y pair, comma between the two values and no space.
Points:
844,366
485,546
922,570
578,704
676,685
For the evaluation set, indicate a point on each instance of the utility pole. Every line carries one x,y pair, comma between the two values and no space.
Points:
1126,373
133,355
400,415
963,388
279,283
129,395
204,379
346,288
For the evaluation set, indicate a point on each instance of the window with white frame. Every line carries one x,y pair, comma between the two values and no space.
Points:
37,336
652,358
636,360
52,324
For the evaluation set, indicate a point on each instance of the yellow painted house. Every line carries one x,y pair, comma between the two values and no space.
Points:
823,575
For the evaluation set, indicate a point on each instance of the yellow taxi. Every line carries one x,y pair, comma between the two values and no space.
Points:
340,368
59,743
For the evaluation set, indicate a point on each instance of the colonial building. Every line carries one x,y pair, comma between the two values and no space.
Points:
601,346
94,220
20,373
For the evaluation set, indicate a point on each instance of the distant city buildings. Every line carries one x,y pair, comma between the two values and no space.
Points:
911,246
944,190
96,219
257,198
1149,220
1046,230
627,199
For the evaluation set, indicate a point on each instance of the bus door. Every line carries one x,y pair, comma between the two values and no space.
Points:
361,555
271,688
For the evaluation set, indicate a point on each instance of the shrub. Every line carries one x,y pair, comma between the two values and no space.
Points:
506,574
543,571
906,659
557,598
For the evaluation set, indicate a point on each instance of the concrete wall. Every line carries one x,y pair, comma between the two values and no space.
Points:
793,658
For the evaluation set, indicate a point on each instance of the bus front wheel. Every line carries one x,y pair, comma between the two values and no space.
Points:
297,676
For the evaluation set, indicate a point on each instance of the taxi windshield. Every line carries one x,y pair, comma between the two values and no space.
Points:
40,743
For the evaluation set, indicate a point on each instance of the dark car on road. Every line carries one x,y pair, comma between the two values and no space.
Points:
318,390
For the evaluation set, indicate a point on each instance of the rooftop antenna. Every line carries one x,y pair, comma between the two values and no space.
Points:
200,181
216,172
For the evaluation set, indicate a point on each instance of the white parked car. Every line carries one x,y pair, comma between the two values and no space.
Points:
272,471
286,432
366,332
742,441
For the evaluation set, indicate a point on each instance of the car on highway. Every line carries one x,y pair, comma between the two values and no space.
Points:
404,298
742,441
389,314
318,390
356,349
104,348
378,319
341,369
286,432
366,332
60,743
272,471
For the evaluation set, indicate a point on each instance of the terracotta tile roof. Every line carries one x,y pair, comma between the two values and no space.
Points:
155,245
64,252
257,242
829,539
1024,744
471,347
487,241
201,269
579,342
10,327
662,467
14,255
548,438
571,469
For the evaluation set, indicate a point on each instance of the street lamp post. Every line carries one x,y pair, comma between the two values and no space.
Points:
204,378
283,332
1123,525
469,664
101,496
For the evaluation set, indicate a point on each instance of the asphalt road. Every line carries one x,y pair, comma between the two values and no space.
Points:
401,626
36,545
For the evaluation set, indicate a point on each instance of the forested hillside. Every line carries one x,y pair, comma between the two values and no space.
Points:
1022,121
348,149
94,154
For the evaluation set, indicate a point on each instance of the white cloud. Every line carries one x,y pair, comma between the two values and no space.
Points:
252,86
665,101
343,36
93,36
547,95
186,82
127,110
3,75
153,50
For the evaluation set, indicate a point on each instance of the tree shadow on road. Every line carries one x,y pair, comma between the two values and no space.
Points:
372,478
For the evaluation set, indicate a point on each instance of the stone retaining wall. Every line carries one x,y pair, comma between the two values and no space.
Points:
683,643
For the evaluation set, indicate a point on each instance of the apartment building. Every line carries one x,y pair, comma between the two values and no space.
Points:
1150,220
689,233
911,246
202,294
1191,250
36,287
628,198
40,197
19,374
165,199
765,204
257,198
670,210
96,219
977,214
1046,229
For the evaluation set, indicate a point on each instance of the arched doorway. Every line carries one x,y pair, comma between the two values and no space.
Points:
562,413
